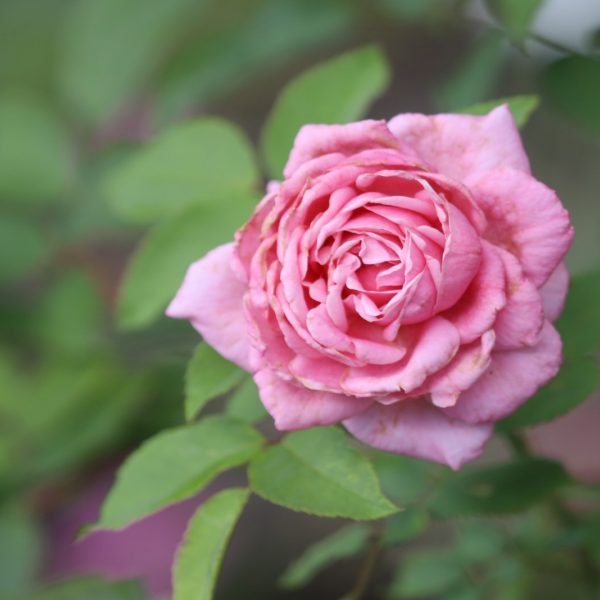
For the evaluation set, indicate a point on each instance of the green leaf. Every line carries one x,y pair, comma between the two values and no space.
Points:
572,86
157,267
336,91
20,551
318,472
22,247
111,48
208,375
90,588
344,543
244,404
405,526
515,15
201,552
174,465
428,573
199,162
35,153
506,488
521,107
478,542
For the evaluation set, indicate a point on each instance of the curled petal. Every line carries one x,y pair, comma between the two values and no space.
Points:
416,428
554,292
211,298
296,407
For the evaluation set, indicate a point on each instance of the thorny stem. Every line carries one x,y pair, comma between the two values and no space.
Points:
367,567
564,516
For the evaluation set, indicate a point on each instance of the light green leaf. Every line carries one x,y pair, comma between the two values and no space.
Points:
197,163
515,15
208,375
201,552
22,247
506,488
157,267
405,526
318,472
90,588
344,543
111,48
244,404
336,91
572,86
174,465
35,153
521,107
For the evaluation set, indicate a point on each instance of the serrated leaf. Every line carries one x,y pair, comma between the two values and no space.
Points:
174,465
197,163
200,555
336,91
207,376
156,269
22,247
244,404
318,472
521,107
507,488
344,543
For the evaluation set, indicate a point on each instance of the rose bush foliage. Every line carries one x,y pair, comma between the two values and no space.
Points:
402,279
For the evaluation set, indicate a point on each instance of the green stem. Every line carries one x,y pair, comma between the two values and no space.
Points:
367,567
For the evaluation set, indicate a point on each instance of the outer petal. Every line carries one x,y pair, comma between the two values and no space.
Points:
296,407
554,292
513,377
526,218
417,428
210,297
463,145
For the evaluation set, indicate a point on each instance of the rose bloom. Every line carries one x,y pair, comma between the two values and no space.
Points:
402,279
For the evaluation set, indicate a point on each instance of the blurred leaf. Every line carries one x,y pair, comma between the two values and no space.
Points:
70,317
89,588
208,375
416,10
336,91
244,404
199,162
22,247
346,542
506,488
476,77
515,15
35,153
572,86
521,107
426,573
20,551
318,472
478,542
223,61
199,557
156,269
175,464
405,526
111,48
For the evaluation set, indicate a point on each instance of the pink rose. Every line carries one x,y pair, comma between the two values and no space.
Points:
402,279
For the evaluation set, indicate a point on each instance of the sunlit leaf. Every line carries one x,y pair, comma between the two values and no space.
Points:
244,403
521,107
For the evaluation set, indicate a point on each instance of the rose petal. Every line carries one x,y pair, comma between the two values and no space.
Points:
554,292
416,428
295,407
463,145
211,298
513,377
526,218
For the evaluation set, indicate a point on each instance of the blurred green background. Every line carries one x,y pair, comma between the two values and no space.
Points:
83,83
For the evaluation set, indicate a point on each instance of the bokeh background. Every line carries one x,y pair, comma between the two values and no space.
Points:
83,83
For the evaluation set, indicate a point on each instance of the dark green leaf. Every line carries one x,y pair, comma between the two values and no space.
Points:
22,247
515,15
89,588
344,543
336,91
245,404
405,526
521,107
208,375
199,557
478,542
506,488
199,162
174,465
318,472
158,266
